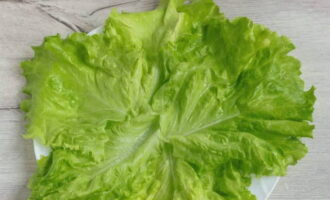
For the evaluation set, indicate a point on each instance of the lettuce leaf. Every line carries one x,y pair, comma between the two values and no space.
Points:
175,103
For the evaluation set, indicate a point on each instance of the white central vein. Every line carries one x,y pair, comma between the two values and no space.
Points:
216,122
141,140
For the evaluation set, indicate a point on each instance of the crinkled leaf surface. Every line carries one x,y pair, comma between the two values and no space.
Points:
178,103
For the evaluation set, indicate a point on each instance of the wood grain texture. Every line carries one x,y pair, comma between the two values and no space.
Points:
24,23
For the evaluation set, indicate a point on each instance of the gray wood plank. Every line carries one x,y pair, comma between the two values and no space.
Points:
17,161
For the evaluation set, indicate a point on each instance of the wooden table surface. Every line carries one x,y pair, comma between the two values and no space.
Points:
24,23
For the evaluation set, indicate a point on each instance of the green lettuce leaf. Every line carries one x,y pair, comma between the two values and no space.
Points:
177,103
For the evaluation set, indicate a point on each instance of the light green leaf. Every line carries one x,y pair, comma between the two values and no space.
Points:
177,103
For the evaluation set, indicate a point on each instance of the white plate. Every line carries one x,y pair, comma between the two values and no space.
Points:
261,187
